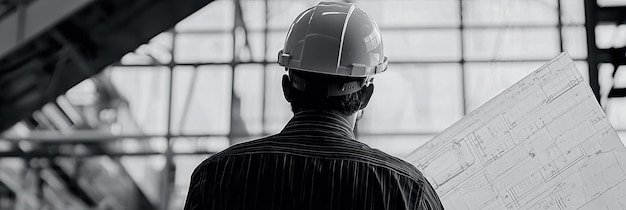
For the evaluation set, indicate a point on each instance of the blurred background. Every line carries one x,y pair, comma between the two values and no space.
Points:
112,104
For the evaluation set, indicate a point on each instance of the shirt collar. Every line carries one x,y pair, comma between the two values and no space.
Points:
318,121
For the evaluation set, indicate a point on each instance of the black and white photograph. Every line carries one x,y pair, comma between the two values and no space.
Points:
312,105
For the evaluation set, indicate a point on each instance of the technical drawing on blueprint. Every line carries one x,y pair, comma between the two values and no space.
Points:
543,143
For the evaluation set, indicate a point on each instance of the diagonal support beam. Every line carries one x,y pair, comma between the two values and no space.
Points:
98,32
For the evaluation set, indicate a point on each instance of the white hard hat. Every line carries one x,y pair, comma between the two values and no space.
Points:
334,38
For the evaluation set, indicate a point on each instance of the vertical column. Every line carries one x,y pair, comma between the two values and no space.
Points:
168,170
265,63
591,6
559,24
462,61
233,64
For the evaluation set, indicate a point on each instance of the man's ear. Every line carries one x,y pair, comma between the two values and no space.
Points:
367,94
287,88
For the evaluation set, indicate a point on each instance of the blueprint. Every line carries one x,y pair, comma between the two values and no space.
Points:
543,143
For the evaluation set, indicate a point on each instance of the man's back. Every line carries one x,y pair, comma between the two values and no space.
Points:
314,163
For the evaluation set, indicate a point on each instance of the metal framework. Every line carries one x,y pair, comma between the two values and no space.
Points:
596,15
240,29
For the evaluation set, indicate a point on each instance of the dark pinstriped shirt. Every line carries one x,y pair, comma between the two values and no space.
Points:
313,163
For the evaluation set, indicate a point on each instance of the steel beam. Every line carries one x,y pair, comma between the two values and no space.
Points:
82,38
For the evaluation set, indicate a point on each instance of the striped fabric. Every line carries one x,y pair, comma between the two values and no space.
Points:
314,163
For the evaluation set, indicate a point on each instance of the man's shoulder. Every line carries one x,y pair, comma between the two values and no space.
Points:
243,147
330,149
233,150
396,164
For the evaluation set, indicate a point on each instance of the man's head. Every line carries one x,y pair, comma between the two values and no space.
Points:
331,52
315,98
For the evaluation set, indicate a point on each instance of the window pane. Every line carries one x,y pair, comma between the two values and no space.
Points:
620,36
572,12
216,15
583,68
620,77
185,164
485,80
575,41
142,169
605,79
256,42
248,100
201,100
513,12
616,111
615,107
396,145
192,48
608,36
604,34
199,144
609,3
511,43
277,109
281,13
253,14
413,98
146,91
138,145
157,51
84,93
398,13
422,45
274,44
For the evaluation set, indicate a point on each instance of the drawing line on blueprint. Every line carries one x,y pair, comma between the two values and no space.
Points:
481,149
543,143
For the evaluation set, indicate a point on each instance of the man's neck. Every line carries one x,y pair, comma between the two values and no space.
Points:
351,119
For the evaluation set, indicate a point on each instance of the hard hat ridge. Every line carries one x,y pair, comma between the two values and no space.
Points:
334,38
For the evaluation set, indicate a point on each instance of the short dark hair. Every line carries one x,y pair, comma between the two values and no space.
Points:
317,100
